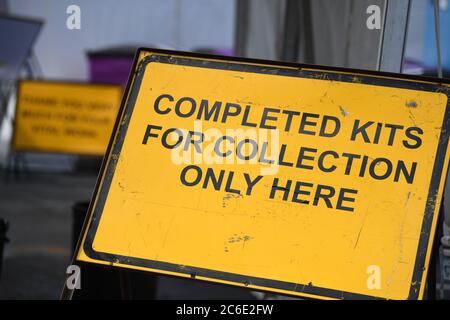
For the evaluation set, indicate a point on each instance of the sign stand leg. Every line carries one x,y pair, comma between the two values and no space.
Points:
432,272
125,289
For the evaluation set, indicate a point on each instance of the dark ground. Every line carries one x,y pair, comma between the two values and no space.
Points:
38,208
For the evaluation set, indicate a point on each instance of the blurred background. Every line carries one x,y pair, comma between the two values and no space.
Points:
43,193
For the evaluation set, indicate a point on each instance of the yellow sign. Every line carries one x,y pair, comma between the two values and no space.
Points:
309,182
63,117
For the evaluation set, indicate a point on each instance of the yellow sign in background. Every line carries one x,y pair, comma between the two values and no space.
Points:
311,223
64,117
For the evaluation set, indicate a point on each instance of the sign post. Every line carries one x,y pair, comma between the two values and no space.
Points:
302,180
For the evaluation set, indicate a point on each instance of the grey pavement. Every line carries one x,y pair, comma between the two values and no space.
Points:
38,207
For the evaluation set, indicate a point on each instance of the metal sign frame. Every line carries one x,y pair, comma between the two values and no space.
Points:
6,86
264,67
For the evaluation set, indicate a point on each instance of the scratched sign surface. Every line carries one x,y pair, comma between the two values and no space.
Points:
307,182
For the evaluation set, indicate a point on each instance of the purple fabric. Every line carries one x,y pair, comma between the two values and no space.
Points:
110,69
224,51
115,69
